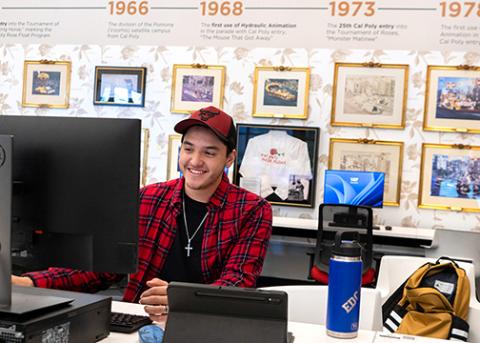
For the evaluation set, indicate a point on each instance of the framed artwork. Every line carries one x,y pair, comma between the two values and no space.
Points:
173,169
452,99
371,155
120,86
278,163
46,84
197,85
450,177
281,92
370,95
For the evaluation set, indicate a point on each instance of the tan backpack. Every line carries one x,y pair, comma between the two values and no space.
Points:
433,302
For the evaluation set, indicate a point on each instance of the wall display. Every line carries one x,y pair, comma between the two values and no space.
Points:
278,162
46,84
370,155
173,169
370,95
281,92
376,25
452,99
120,86
197,85
450,177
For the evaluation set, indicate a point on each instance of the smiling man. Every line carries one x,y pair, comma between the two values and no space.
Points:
199,228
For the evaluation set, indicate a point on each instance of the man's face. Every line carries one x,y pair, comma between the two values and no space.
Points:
203,157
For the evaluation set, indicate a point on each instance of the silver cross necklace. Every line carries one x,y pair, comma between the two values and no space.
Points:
189,239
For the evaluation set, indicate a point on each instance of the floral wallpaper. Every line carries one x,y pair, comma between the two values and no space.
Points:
240,64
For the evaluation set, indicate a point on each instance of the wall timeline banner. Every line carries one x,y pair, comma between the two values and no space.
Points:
376,24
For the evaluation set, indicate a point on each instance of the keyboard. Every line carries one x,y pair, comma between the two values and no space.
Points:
127,323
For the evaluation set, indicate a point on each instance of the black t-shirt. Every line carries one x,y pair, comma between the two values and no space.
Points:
178,266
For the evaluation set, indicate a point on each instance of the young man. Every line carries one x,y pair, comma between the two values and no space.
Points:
199,228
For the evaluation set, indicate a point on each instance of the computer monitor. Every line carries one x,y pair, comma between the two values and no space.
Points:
75,192
362,188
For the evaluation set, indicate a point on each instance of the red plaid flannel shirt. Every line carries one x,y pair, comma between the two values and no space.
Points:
236,234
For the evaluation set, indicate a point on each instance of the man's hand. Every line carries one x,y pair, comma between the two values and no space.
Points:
155,299
22,281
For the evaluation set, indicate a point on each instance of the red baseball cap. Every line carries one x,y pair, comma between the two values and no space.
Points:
213,118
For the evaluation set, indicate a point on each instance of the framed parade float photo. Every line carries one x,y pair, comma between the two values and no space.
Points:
450,177
46,84
278,163
452,99
281,92
369,95
195,86
120,86
370,155
173,168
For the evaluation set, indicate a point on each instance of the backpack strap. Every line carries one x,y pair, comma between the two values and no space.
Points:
459,329
394,318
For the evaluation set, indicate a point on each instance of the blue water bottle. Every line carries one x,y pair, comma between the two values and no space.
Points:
344,285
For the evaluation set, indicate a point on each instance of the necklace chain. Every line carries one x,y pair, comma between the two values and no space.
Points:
189,239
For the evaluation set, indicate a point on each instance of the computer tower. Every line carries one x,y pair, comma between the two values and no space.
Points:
85,319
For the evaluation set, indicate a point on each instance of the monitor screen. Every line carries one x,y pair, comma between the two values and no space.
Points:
75,192
362,188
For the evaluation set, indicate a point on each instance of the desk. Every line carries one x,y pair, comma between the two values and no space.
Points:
304,333
294,238
409,233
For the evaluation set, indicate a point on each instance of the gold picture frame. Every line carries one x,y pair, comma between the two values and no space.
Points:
145,141
444,188
281,92
452,99
46,83
174,146
195,86
370,95
370,155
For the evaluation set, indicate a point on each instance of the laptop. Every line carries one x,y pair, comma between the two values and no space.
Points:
204,313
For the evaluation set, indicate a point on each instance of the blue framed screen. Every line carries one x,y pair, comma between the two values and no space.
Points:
363,188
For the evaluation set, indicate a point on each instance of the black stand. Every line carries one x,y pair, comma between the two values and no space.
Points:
349,219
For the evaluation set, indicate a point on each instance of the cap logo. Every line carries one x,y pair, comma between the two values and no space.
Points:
205,114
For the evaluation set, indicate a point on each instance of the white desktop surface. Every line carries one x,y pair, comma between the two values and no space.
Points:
396,231
303,332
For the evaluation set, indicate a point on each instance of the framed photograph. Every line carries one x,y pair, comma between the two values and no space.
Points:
197,85
452,99
173,169
46,84
371,155
120,86
281,92
278,163
450,177
370,95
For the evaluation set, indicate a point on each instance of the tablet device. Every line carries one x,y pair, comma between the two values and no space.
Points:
204,313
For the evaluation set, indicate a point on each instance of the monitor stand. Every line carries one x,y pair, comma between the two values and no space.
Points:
14,304
351,219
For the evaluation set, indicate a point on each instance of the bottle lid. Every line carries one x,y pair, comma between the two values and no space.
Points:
347,248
